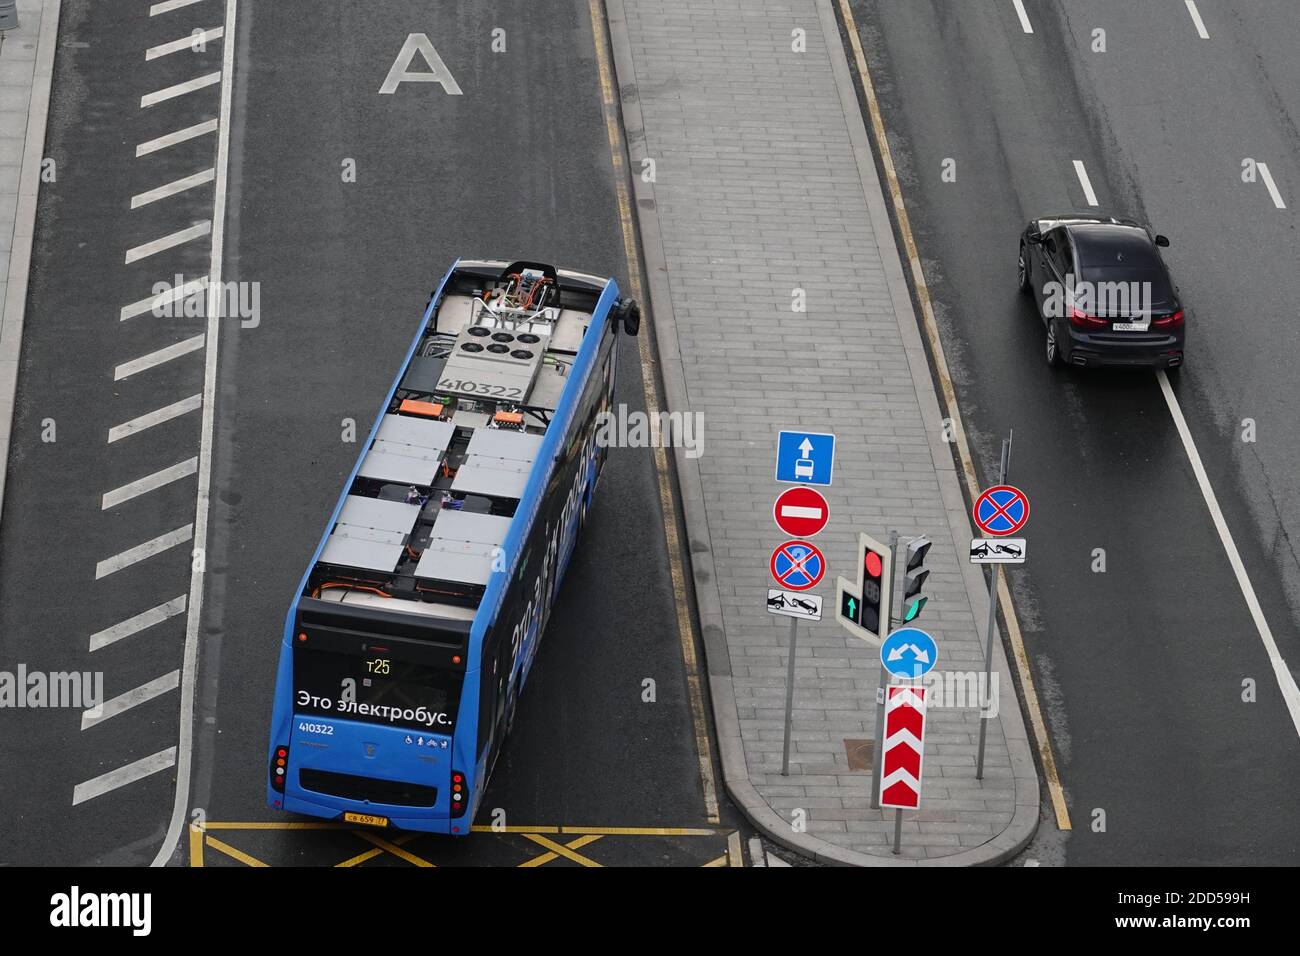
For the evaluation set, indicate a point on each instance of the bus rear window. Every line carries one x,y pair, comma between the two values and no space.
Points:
375,687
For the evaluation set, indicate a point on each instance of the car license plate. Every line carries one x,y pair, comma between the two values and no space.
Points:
1130,326
366,818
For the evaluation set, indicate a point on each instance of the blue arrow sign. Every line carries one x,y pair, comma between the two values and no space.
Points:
909,652
805,458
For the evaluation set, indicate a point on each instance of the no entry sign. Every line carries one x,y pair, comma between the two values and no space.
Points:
801,512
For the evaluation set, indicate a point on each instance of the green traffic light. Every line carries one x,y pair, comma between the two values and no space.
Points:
913,610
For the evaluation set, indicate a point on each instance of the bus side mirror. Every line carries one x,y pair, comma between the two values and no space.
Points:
628,312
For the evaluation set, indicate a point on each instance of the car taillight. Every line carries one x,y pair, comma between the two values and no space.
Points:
458,800
1169,321
1083,320
279,767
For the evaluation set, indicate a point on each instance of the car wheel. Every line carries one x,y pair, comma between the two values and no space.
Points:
1022,271
1053,352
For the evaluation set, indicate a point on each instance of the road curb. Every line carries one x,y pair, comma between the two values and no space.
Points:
703,574
20,252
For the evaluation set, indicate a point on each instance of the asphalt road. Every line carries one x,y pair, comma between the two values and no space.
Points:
1141,668
56,528
518,166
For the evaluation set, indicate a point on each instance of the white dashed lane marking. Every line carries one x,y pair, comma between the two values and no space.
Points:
1085,182
1196,19
183,291
150,419
202,38
153,359
180,89
196,231
134,625
1024,17
132,698
1265,175
138,770
144,551
180,136
149,483
167,6
171,189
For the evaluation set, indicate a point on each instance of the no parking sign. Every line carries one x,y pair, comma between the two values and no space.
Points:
1001,510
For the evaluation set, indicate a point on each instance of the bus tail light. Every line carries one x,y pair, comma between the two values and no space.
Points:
458,800
279,767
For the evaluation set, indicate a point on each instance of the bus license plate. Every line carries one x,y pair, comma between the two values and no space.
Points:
366,818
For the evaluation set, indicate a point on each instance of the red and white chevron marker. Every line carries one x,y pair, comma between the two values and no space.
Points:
900,765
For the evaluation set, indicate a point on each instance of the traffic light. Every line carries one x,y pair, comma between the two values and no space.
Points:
875,574
864,603
914,580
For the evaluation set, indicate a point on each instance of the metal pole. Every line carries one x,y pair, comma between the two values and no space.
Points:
898,831
993,615
789,701
887,613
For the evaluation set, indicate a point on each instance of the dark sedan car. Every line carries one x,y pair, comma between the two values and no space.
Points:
1102,291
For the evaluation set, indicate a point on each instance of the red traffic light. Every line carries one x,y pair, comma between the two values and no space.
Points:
873,564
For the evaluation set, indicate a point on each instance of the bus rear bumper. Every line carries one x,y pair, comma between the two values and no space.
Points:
397,818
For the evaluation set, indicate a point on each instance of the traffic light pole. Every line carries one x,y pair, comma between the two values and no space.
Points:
993,620
886,618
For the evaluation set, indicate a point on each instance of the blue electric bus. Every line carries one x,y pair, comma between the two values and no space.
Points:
414,628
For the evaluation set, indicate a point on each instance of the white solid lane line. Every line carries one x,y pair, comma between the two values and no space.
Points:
143,486
1085,182
171,189
150,419
1024,17
1290,693
1272,186
196,231
175,294
145,362
189,667
171,139
120,777
132,698
184,43
134,625
1196,19
142,551
180,89
169,5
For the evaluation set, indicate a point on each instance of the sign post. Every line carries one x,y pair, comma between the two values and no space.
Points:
806,458
789,701
904,754
999,511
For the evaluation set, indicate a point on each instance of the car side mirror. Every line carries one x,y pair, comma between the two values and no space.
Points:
1162,241
1034,238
